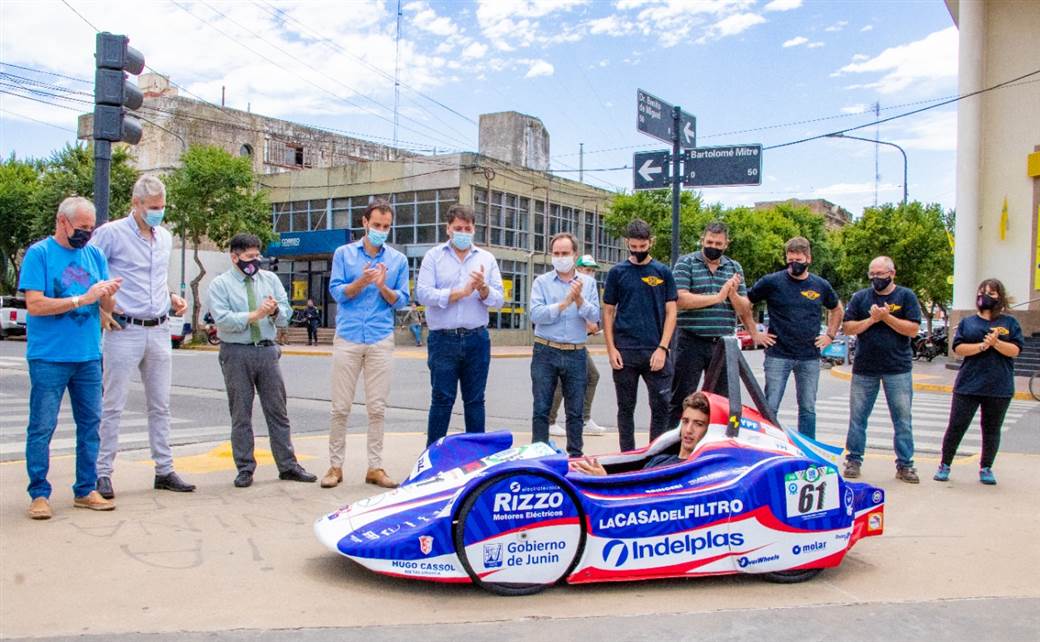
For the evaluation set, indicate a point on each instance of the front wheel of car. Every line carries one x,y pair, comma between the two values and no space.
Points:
791,577
519,532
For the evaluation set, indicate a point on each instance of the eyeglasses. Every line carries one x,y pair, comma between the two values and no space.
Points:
875,275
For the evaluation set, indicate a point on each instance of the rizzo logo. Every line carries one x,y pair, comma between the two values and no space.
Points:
812,295
507,502
688,544
652,281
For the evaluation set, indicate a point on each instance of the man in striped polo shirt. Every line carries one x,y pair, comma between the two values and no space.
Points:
711,295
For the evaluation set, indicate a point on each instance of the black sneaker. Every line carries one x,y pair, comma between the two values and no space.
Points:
244,479
172,482
851,469
104,487
297,473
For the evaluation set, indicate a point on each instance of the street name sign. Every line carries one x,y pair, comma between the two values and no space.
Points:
720,166
650,169
654,118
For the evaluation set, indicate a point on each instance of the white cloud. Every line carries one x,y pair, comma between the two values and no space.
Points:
474,50
860,57
930,131
867,28
837,190
837,26
731,26
815,45
796,41
783,5
921,64
858,108
539,68
509,24
426,19
610,25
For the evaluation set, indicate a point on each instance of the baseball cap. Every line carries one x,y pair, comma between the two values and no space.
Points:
586,261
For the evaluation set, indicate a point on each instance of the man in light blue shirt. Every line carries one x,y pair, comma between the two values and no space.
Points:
369,281
137,334
562,303
458,282
248,305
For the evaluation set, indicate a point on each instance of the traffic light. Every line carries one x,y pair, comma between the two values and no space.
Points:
114,94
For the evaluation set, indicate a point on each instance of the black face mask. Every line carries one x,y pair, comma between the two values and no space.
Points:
985,302
797,268
712,253
79,238
639,256
880,282
249,268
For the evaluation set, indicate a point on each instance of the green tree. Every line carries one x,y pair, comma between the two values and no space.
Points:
655,207
213,195
914,236
19,183
70,172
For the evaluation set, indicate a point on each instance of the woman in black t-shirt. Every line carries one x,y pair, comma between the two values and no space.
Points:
989,342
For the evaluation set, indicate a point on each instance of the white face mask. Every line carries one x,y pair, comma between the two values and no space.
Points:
563,264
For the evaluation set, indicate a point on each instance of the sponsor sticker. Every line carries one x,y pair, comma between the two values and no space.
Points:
877,496
493,555
874,522
425,544
619,552
812,491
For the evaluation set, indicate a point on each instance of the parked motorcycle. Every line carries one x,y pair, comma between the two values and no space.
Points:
839,352
929,346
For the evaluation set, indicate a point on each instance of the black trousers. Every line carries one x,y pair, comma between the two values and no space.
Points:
692,356
312,331
626,386
962,412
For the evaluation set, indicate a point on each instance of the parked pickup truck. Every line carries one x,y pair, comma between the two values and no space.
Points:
12,316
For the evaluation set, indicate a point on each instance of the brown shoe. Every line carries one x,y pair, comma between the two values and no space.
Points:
94,501
332,478
851,469
40,508
379,477
907,474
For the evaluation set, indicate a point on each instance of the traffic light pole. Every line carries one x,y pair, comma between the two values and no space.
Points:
676,181
102,176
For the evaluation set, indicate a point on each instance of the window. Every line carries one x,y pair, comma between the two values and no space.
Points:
245,150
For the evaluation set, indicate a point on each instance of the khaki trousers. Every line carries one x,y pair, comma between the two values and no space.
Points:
348,361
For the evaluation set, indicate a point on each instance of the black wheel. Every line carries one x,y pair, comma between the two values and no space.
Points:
519,532
791,577
176,343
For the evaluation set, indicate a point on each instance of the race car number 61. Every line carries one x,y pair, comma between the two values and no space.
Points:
814,490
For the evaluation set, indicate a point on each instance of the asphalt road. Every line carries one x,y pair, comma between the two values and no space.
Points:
200,414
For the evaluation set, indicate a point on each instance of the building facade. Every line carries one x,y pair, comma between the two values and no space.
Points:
517,209
834,216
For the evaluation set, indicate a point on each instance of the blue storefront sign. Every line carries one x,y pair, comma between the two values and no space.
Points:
307,243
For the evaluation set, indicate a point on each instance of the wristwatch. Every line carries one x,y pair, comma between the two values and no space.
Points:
665,348
75,302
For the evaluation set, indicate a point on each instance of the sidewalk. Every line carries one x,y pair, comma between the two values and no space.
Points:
225,558
936,377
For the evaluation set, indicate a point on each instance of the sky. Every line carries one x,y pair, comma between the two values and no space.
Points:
767,72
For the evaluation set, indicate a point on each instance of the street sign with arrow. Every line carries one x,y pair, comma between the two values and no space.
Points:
654,117
650,170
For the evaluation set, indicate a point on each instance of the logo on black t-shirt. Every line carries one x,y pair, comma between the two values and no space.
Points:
652,281
812,295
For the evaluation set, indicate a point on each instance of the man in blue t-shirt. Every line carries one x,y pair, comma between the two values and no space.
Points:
639,313
796,299
65,283
884,316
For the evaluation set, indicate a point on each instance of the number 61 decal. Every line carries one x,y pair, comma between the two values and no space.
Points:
813,490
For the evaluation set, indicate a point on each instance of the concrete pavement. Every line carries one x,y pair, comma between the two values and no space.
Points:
225,559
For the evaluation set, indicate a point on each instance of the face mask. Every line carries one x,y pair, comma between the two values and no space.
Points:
79,238
563,264
880,282
712,253
985,302
797,268
639,256
154,217
249,268
462,240
377,238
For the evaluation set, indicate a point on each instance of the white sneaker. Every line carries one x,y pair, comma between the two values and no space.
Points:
557,430
592,428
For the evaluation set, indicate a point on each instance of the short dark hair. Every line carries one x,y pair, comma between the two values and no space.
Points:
1002,298
564,235
715,227
461,212
378,205
798,244
244,241
698,401
638,229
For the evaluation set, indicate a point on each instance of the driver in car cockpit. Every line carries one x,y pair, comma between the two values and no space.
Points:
694,424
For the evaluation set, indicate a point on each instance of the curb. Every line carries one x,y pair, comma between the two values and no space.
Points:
845,375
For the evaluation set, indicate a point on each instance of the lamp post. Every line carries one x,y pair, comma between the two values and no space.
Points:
881,142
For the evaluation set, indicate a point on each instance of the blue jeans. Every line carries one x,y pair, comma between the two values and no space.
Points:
806,382
899,392
48,382
417,333
457,359
547,365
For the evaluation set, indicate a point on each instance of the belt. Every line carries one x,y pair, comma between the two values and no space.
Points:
459,331
560,346
147,323
699,337
266,343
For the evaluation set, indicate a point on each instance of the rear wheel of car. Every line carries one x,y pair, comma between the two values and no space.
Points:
791,577
176,343
519,532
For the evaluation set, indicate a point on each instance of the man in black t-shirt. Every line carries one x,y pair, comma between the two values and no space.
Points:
795,299
884,316
638,320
